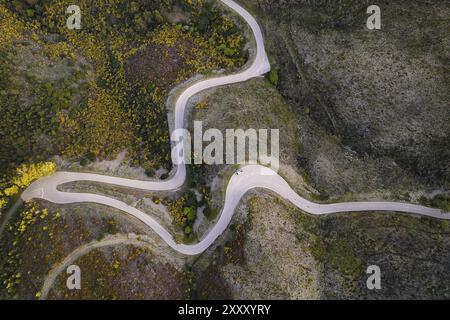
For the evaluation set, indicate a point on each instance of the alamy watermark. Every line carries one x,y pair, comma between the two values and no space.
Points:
374,280
74,19
74,280
374,21
236,146
73,22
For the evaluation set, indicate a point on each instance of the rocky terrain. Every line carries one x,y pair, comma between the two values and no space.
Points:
273,251
383,94
363,115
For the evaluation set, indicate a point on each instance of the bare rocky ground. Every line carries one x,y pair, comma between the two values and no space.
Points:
383,94
125,272
412,253
274,251
260,258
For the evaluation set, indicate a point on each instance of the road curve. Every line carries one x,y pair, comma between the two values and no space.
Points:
253,176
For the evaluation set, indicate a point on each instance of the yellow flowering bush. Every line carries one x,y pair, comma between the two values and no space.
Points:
10,27
23,177
26,174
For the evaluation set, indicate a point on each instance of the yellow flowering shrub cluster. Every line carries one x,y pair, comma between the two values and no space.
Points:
176,210
23,177
10,27
26,174
201,105
184,213
97,125
56,50
29,217
3,203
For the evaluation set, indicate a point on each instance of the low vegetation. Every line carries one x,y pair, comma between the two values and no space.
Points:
41,235
111,94
34,224
124,273
440,201
184,214
22,178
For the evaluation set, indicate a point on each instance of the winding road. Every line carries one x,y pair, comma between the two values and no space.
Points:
253,176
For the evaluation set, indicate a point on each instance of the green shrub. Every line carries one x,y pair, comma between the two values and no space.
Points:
188,230
29,13
273,77
190,213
